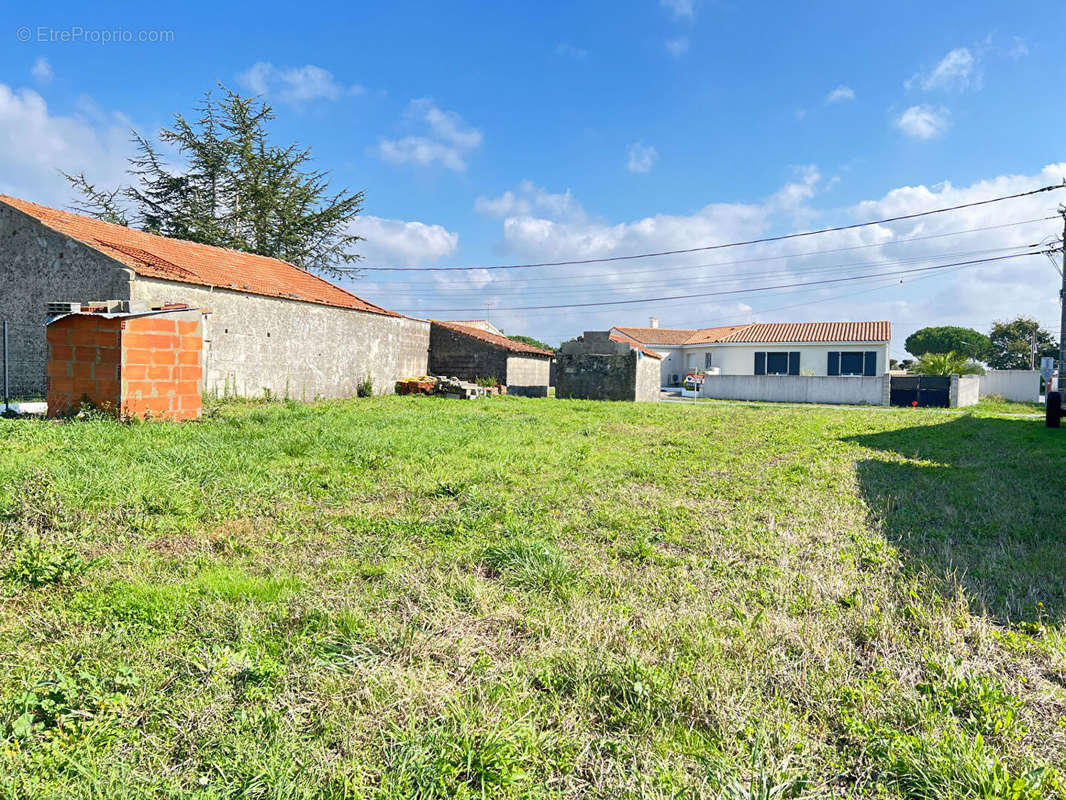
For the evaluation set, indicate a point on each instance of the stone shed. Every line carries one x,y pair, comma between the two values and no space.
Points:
469,353
271,327
605,366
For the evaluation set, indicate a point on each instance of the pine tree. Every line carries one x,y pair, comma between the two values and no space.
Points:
232,188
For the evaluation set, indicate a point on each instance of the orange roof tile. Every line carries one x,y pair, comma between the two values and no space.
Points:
492,338
782,332
617,337
671,336
153,256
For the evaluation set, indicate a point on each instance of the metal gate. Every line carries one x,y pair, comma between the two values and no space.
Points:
925,390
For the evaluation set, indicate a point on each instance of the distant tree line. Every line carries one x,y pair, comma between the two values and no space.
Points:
1007,345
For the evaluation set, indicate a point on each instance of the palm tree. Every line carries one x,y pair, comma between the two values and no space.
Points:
946,364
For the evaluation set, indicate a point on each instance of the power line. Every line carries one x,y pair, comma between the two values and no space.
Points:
786,256
726,280
726,292
763,240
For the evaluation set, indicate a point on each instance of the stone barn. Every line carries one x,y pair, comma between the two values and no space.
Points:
605,366
268,326
469,353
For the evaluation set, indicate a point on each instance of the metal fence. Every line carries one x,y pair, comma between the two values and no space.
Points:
24,357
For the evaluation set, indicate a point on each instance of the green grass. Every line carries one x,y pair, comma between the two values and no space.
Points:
510,598
999,405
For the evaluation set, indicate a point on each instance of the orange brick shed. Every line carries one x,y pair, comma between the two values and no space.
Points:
146,364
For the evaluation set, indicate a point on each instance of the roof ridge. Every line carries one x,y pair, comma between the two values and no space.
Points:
204,264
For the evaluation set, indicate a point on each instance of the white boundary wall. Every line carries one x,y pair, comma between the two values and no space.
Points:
869,391
1019,385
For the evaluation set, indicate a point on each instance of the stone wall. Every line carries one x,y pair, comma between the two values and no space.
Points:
301,350
454,355
252,342
39,266
528,375
595,368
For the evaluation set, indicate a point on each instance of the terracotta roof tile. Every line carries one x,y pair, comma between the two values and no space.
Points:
788,332
492,338
657,335
153,256
617,337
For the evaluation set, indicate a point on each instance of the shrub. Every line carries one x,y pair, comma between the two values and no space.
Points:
365,387
487,382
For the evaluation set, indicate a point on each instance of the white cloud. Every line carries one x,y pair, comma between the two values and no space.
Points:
295,85
446,138
529,200
571,51
957,71
677,47
396,242
36,144
42,70
681,9
841,94
641,157
924,122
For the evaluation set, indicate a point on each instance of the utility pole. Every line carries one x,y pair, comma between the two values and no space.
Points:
1061,385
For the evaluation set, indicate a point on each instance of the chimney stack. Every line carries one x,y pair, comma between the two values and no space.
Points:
653,322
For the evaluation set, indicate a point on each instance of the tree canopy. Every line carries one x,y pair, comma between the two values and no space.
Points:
531,341
1011,344
947,339
232,187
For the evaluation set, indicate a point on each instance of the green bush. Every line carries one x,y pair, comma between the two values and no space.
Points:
365,387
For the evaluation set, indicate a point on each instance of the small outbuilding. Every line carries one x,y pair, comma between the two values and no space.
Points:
605,366
469,353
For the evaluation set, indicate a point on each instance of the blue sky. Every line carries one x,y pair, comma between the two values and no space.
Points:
494,133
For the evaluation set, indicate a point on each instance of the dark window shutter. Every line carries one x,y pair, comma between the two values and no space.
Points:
794,363
833,367
869,366
760,363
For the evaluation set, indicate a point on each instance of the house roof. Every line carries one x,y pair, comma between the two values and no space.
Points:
616,337
493,339
482,324
657,335
782,332
764,333
152,256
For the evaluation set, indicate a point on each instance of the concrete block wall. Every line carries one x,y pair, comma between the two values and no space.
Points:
965,390
798,389
528,375
254,344
1019,385
454,355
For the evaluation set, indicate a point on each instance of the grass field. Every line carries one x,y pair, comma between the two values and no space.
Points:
417,598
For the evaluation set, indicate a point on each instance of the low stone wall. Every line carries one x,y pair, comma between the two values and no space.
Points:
1019,385
870,391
